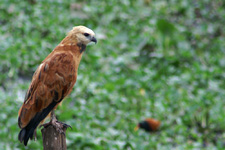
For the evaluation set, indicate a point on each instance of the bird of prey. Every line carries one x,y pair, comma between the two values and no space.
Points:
52,82
149,125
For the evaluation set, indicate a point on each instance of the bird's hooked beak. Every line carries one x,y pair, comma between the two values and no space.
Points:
93,39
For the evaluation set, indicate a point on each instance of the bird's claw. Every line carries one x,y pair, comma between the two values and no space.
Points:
65,125
59,126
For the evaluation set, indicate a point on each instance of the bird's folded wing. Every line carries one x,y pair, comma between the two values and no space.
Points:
52,81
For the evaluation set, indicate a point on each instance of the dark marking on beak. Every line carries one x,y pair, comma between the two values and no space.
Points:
93,39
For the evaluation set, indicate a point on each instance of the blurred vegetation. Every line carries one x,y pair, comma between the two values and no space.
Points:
154,58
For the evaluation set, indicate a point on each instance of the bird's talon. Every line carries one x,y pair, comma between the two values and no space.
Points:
64,124
59,126
67,126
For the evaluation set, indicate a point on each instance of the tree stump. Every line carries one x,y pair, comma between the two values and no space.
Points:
52,139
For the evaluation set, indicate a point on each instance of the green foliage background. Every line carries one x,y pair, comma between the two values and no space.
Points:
154,58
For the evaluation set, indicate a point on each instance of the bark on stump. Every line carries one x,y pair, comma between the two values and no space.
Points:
52,139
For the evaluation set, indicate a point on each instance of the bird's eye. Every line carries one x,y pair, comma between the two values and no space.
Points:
86,34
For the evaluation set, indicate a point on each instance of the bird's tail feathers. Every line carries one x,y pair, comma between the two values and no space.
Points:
25,135
27,132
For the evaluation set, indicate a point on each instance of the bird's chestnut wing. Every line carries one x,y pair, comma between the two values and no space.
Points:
52,81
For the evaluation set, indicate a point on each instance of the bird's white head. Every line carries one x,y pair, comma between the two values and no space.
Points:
82,35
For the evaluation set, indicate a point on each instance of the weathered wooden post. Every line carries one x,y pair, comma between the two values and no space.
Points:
52,139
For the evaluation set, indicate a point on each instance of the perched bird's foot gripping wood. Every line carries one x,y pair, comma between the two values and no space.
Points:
59,126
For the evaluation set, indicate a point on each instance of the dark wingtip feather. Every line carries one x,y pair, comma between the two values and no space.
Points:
21,135
26,141
25,135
